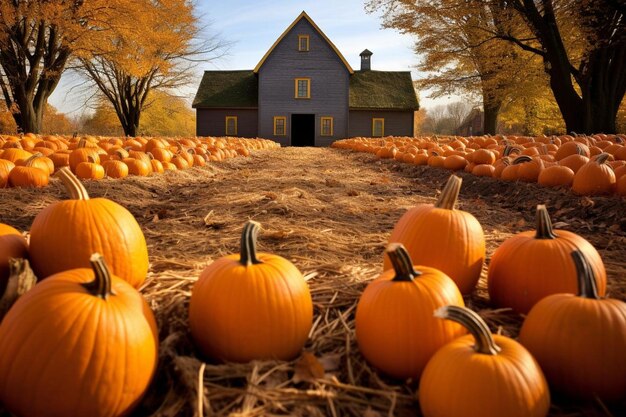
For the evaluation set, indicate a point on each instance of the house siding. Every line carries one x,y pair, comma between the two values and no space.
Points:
397,123
329,86
212,122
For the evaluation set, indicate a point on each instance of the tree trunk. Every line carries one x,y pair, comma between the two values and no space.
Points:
491,108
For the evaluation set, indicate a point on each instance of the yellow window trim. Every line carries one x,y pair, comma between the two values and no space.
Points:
382,127
308,87
228,118
323,119
300,38
284,119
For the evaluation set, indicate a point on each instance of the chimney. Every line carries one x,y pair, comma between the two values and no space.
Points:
366,60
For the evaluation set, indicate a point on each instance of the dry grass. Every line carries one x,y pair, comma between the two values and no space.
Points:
330,212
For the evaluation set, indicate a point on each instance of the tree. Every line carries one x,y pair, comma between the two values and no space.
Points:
37,39
158,55
165,116
587,72
456,53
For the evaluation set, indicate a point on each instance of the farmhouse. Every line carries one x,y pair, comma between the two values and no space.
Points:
303,92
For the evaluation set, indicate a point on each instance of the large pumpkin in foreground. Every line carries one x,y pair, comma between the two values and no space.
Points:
580,340
443,238
81,343
395,328
250,306
482,375
65,234
534,264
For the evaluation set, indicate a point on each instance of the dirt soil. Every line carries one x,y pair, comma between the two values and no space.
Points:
330,212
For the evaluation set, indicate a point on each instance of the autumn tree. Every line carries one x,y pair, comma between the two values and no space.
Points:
583,47
456,53
37,41
158,54
166,115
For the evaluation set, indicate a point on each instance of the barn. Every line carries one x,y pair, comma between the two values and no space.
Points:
303,92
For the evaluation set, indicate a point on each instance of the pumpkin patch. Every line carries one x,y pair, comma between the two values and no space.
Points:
330,213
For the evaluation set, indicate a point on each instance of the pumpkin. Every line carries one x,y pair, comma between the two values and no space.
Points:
595,177
82,153
454,162
66,233
621,186
395,328
250,306
444,238
484,170
482,375
28,176
12,245
580,340
115,169
138,167
5,168
89,170
556,176
81,343
534,264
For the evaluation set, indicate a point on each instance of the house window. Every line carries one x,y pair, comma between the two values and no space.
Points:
303,43
231,125
327,126
378,127
303,87
280,123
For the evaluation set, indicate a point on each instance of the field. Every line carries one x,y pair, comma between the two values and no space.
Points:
330,212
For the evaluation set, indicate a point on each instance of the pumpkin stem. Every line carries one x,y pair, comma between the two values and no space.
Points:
248,243
522,159
602,158
587,287
401,262
72,184
474,324
450,193
544,224
101,284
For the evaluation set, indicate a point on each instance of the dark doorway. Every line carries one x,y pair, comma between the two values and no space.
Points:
302,130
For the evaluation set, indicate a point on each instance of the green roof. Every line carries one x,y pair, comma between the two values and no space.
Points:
227,89
379,90
382,90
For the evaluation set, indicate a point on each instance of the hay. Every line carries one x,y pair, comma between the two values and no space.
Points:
330,212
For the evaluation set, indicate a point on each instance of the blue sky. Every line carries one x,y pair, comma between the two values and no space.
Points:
253,26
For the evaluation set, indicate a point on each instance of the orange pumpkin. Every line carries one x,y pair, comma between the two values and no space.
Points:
444,238
580,340
5,168
28,175
532,265
395,328
12,245
81,343
482,375
556,176
595,177
66,233
271,315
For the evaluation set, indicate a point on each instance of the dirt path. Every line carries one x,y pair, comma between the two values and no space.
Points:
330,212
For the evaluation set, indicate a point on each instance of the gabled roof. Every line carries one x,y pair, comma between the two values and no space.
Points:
391,90
303,15
227,89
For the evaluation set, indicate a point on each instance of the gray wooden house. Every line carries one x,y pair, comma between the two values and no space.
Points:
303,92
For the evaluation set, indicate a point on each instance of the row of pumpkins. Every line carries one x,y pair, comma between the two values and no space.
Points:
590,165
83,342
28,161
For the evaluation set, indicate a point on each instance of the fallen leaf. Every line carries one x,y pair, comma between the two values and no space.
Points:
308,368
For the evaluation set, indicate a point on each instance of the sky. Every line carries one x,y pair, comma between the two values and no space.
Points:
253,26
